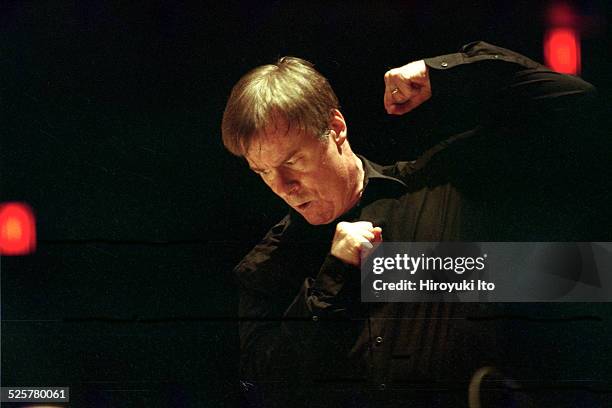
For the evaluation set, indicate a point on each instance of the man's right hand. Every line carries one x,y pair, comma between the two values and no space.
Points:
406,87
351,238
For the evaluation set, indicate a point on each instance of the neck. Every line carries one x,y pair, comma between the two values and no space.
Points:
359,180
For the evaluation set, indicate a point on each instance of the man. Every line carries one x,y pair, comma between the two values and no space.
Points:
488,172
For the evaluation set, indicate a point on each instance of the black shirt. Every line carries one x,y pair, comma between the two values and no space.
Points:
496,166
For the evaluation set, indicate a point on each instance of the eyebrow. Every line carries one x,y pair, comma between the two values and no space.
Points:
287,158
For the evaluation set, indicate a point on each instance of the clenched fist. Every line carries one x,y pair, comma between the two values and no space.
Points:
406,87
351,238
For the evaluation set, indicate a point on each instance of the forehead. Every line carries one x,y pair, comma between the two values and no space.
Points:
275,144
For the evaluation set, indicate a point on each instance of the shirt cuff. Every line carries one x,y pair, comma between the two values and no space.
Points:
333,275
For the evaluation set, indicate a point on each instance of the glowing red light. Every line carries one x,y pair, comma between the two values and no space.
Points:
562,50
561,14
17,229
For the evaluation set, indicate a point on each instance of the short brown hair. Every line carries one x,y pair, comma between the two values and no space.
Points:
291,89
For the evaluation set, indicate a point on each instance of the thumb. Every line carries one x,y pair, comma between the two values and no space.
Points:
377,231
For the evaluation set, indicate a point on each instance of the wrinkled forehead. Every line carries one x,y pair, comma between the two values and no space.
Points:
272,144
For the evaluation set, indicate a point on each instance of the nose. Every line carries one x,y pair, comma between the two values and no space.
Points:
283,183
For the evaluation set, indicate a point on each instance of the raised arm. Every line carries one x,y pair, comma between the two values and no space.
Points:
484,78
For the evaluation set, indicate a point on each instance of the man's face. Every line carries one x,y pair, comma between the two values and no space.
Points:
315,177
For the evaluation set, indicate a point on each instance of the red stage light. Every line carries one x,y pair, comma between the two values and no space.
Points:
17,229
562,50
561,14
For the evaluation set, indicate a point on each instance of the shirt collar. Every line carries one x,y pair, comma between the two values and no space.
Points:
375,174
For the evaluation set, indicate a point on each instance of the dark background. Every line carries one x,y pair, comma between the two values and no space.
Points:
111,132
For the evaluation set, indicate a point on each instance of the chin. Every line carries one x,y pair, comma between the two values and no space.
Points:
316,220
317,215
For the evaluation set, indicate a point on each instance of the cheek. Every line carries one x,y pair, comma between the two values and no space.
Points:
318,184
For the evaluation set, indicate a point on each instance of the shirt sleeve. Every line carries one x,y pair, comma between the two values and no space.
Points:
292,315
260,310
486,84
331,294
500,114
269,350
278,317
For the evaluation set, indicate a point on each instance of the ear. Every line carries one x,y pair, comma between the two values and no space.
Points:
337,127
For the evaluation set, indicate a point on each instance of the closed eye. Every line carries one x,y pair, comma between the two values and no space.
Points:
261,172
291,162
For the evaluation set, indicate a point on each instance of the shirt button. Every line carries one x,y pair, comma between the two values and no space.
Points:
382,387
379,340
315,318
444,64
